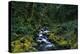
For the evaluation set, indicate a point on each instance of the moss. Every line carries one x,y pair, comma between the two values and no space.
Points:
24,44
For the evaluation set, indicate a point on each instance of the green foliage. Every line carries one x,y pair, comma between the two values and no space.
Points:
27,18
65,37
23,45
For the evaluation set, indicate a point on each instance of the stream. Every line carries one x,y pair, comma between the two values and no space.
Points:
43,41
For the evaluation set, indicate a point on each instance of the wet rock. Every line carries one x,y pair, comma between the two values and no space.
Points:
42,39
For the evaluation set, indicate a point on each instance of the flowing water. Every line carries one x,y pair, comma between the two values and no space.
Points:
43,41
